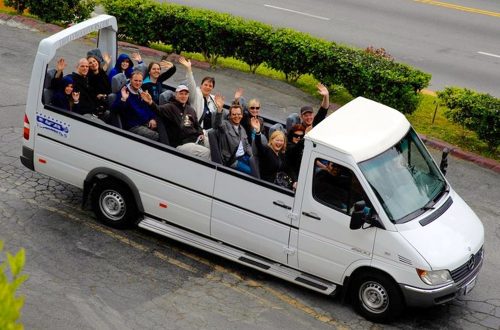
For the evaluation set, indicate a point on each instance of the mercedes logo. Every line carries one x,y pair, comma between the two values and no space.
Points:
471,263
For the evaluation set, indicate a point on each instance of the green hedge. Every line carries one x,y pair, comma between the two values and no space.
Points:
294,53
475,111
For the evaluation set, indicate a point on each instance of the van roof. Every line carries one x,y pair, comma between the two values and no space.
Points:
362,128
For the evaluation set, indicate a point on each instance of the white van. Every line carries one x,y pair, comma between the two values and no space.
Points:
382,221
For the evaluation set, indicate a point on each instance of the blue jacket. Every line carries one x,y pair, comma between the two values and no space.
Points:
134,111
117,69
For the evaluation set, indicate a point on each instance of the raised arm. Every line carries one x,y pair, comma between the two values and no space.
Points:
219,103
325,104
170,70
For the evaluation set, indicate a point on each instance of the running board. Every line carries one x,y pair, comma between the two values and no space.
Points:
234,254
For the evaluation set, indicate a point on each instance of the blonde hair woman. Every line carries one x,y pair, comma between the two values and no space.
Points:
271,157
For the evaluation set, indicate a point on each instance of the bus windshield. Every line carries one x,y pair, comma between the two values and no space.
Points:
405,179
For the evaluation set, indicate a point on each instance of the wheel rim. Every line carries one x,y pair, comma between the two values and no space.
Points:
374,297
112,205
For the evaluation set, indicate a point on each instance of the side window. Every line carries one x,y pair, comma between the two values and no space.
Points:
336,186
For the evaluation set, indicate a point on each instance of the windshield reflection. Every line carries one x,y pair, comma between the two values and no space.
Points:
405,179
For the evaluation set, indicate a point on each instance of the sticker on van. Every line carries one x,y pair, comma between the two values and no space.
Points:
52,124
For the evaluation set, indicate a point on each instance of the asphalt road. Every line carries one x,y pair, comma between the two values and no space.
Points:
84,275
457,41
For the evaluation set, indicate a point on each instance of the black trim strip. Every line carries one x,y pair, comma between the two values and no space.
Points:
165,180
250,211
253,262
250,254
310,283
165,148
436,214
127,134
129,167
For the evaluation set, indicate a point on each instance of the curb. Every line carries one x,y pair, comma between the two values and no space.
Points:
433,143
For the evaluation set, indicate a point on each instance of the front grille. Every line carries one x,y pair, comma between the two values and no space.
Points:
461,272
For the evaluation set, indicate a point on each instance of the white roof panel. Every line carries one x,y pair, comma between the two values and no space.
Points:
362,128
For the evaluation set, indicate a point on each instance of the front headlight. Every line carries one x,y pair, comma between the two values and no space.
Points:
434,277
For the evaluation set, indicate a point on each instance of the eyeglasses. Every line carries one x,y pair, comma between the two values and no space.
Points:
298,136
254,108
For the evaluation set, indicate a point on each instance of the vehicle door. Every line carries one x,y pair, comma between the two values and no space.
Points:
326,245
251,214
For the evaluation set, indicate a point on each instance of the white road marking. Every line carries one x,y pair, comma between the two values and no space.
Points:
298,12
489,54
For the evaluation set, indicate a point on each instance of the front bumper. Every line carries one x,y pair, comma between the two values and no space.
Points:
424,297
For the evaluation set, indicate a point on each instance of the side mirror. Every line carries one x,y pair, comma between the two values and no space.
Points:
358,215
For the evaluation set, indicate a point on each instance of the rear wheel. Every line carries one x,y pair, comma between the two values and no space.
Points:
376,297
113,204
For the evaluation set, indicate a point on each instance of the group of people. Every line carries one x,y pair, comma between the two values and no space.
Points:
191,113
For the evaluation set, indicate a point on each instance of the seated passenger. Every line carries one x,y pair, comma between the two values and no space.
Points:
153,82
98,79
235,149
200,98
272,161
66,98
294,150
133,106
125,65
184,130
307,116
332,186
87,102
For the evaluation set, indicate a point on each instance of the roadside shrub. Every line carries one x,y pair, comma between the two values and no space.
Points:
371,73
10,304
65,11
19,5
475,111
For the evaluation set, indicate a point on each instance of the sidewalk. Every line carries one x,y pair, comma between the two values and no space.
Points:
278,98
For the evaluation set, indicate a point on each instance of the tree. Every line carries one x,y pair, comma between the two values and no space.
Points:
19,5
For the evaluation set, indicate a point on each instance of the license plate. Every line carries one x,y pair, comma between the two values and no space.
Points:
469,286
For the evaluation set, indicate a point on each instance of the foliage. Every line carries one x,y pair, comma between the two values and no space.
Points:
362,73
19,5
380,52
10,304
475,111
65,11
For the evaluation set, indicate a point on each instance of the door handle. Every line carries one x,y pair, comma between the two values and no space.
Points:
311,215
281,204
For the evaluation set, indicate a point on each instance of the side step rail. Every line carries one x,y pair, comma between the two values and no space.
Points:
234,254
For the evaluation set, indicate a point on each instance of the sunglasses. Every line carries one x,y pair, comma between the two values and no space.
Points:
254,108
298,136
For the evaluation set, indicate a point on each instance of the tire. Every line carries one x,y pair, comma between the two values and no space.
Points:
113,204
376,297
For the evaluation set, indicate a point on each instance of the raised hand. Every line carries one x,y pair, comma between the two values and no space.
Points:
238,93
186,63
136,57
219,101
255,123
75,96
322,90
146,97
164,64
125,93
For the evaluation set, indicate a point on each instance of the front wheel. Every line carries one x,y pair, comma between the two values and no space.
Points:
113,204
376,297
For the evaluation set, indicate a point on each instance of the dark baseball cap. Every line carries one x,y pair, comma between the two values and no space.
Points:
306,109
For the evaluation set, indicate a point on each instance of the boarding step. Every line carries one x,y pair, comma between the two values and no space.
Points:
239,256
